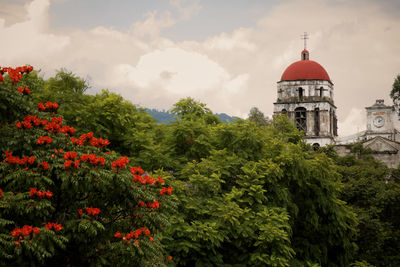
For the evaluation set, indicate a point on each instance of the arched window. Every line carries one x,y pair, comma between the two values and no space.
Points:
301,118
315,146
284,111
321,92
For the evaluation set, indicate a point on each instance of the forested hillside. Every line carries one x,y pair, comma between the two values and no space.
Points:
95,180
166,117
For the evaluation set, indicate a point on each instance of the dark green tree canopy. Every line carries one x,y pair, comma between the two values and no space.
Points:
395,93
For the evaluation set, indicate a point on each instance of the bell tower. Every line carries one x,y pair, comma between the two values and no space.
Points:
305,94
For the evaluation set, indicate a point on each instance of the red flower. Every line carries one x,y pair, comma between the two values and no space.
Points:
1,193
80,211
76,163
16,232
170,258
49,226
57,227
45,165
120,163
26,230
93,211
70,155
24,90
147,232
49,194
44,139
117,235
33,191
36,230
137,243
67,164
31,160
1,78
151,239
41,107
41,194
19,125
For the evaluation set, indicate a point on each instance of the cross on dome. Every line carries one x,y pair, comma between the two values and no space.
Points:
304,37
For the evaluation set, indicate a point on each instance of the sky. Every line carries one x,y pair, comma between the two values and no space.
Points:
227,54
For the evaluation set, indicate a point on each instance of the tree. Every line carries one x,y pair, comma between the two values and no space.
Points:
67,200
258,117
259,198
370,188
190,109
395,93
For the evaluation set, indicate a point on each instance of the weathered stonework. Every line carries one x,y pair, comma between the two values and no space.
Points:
316,97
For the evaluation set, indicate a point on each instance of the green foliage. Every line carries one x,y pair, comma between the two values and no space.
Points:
258,117
190,109
394,94
374,196
256,199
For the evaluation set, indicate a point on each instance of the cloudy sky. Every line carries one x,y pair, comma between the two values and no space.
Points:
227,54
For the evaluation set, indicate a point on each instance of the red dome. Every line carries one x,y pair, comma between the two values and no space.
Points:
305,70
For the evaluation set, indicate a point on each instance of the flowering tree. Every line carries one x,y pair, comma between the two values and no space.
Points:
63,197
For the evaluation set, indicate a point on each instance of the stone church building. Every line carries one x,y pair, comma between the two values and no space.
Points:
306,94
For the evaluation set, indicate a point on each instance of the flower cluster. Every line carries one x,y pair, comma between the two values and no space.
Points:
15,160
120,163
26,230
49,106
44,140
15,74
166,190
68,164
90,211
70,155
24,90
134,235
45,165
93,159
96,142
40,193
1,193
55,125
153,205
56,226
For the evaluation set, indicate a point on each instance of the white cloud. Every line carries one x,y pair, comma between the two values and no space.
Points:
152,26
354,122
28,41
186,8
231,72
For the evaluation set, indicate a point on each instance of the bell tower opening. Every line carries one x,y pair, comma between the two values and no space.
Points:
301,93
300,115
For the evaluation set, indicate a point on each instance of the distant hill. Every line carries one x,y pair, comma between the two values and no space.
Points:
166,117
